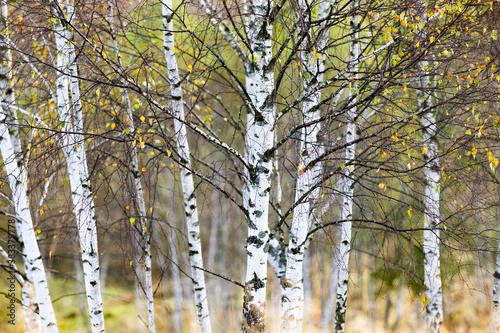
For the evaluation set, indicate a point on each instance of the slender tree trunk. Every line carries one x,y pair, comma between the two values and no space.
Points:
432,177
104,270
31,252
399,304
32,321
259,138
173,271
222,266
139,300
308,293
31,318
74,150
81,290
176,285
144,279
190,204
495,306
35,292
348,183
495,299
293,298
328,310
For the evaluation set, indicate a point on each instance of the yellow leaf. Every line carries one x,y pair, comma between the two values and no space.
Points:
383,154
41,211
132,220
113,125
381,186
445,52
301,171
144,169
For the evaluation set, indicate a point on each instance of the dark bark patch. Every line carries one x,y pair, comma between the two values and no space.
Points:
255,240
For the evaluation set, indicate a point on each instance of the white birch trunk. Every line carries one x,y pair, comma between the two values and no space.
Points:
29,305
139,298
190,204
81,290
31,252
259,83
293,297
344,247
32,321
432,178
33,266
74,150
143,276
495,299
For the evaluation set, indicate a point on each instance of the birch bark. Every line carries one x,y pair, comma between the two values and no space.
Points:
432,178
70,114
259,84
344,247
35,288
190,204
313,66
495,299
31,253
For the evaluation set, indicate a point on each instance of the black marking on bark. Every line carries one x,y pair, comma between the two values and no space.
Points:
496,275
93,283
255,240
192,253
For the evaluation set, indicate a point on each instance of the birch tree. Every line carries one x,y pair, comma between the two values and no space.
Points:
190,204
346,212
432,176
31,253
37,305
259,137
70,114
312,57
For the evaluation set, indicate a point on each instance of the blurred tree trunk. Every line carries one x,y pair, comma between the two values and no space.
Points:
142,266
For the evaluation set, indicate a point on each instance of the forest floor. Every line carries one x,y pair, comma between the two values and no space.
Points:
469,311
